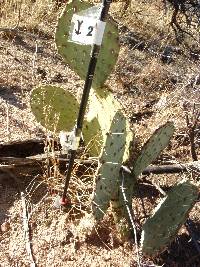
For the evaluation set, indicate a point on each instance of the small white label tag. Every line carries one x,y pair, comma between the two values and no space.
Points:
86,30
68,141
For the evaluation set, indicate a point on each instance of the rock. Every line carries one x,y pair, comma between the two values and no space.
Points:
5,227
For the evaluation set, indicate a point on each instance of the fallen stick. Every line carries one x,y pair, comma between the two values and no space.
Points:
27,154
17,31
175,168
14,167
27,238
35,163
21,148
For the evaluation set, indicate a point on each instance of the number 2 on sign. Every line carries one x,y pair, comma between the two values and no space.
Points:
90,28
77,31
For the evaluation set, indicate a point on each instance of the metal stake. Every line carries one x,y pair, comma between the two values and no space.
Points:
84,100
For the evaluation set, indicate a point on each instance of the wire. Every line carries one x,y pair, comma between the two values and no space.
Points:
130,214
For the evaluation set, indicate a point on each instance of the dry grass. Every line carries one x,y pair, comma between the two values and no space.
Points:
30,15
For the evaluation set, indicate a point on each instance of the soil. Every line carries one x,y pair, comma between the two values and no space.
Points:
70,237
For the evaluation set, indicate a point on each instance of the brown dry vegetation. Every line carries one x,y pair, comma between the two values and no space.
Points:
151,92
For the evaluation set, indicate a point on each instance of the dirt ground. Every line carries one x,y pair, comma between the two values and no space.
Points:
151,94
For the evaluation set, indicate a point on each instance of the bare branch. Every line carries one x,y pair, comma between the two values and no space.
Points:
27,231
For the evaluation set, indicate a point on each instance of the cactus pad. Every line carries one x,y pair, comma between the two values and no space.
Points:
110,163
123,201
78,56
103,106
161,228
153,147
96,125
55,108
93,138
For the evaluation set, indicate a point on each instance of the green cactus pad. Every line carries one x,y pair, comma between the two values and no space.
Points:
153,147
129,188
78,56
93,138
161,228
96,124
108,111
103,106
110,164
55,108
122,203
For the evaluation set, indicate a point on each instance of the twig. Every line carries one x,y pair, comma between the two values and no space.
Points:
19,14
175,168
34,163
34,59
15,58
158,188
27,34
8,121
27,231
192,124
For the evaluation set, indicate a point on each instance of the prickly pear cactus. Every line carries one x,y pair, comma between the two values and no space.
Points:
113,155
101,110
153,147
108,112
170,214
55,108
93,137
103,106
150,151
157,142
78,56
122,204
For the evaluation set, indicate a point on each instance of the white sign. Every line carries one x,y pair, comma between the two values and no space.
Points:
86,30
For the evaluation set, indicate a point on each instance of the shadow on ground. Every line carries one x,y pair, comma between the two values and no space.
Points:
182,252
8,93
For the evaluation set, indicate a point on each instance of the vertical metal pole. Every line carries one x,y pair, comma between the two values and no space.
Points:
84,100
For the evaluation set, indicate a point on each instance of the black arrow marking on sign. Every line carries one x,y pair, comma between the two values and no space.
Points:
79,26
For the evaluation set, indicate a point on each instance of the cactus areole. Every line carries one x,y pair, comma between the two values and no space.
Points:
88,83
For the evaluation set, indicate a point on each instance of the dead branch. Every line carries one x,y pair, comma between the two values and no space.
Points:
189,9
175,168
22,148
27,157
27,238
192,124
35,164
17,31
19,169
